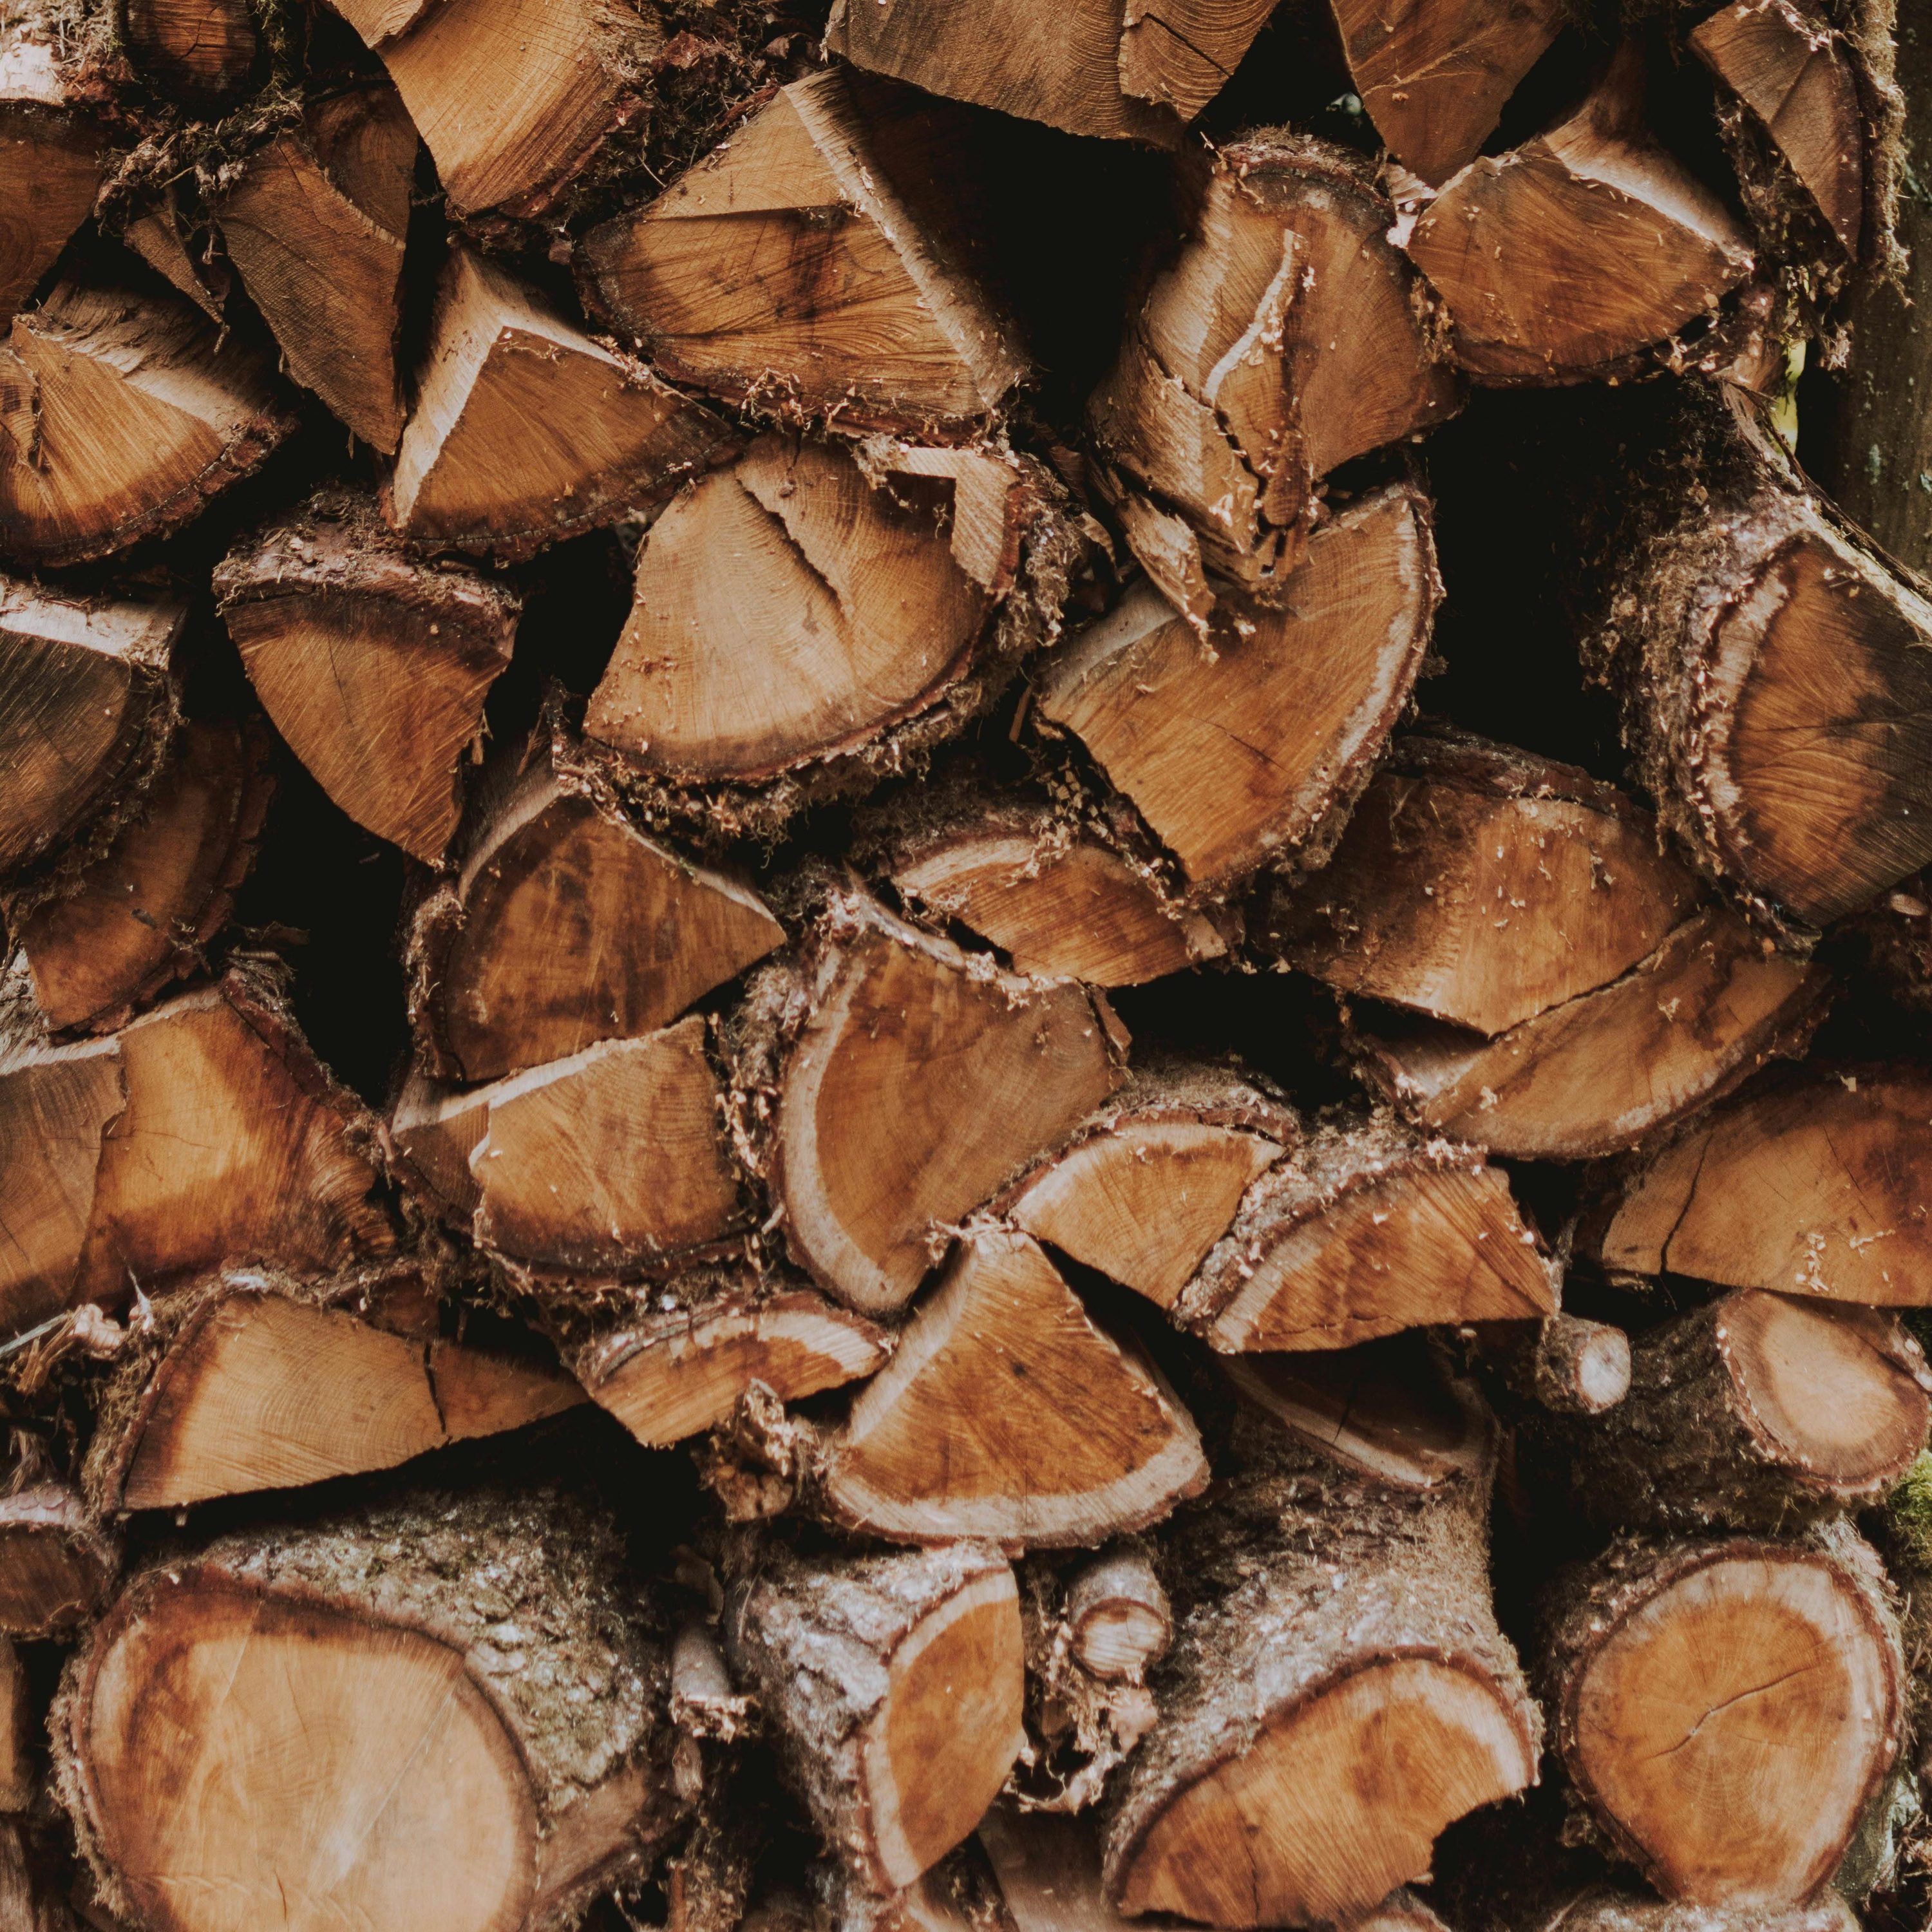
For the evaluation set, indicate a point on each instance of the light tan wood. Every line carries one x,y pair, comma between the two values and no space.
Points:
1434,74
524,430
315,225
373,667
56,1563
674,1374
613,1158
1796,77
1252,751
512,96
1120,1617
1288,336
566,926
1048,1865
51,156
875,1148
120,421
878,318
432,1130
1482,886
1598,204
1363,1231
1809,1184
1595,1075
1083,1440
139,916
176,245
259,1387
86,704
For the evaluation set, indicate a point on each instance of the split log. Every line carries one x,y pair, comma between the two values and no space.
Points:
512,96
816,264
51,158
1062,899
1777,679
446,1709
1603,1910
19,1781
200,53
1251,748
892,1687
1084,1439
1144,1186
913,1078
1758,1412
179,246
1288,336
1790,113
1386,1411
1481,886
203,1135
315,225
610,1160
1119,1618
1338,1692
1673,1670
118,420
1809,1182
140,916
373,666
87,708
524,430
669,1373
256,1381
878,631
1095,67
1563,1364
431,1132
56,1563
1434,74
564,926
1597,203
1595,1076
1364,1230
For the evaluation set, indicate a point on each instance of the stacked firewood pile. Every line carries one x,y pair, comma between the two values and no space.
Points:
965,968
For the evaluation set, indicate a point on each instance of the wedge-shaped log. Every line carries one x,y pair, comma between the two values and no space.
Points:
51,157
1793,87
1595,1075
373,665
1481,886
525,431
668,1373
137,919
1288,336
804,622
315,225
1060,899
203,1134
1669,1667
118,421
1095,67
57,1564
1253,748
1084,1439
391,1753
512,96
1596,203
611,1158
1434,74
917,1077
201,52
1777,680
1144,1186
1364,1230
1337,1692
87,703
1757,1412
255,1381
811,264
1809,1182
565,926
892,1687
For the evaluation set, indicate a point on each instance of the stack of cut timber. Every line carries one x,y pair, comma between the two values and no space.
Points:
787,1141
